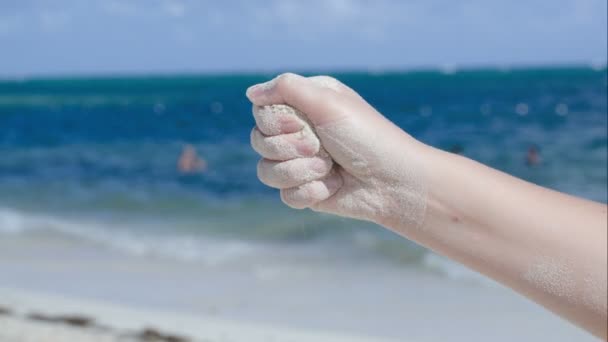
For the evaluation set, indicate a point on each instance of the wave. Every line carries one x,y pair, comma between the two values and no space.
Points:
213,251
178,247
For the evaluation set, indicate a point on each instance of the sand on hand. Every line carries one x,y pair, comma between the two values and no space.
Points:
347,167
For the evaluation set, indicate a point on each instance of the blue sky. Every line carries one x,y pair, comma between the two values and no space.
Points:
165,36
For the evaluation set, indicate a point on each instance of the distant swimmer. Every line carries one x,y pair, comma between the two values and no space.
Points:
190,162
533,156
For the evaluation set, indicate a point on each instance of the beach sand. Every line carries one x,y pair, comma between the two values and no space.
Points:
36,317
277,297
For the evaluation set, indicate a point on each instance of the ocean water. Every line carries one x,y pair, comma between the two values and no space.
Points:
95,159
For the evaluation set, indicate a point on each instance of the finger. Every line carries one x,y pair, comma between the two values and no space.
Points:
319,103
311,193
287,88
278,119
290,173
285,146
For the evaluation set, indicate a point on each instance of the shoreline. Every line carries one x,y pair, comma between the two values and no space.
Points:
274,297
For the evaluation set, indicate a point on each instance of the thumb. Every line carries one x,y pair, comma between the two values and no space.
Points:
301,93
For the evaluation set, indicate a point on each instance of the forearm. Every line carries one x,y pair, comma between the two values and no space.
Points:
546,245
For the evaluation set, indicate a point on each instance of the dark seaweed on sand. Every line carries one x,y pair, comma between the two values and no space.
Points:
5,311
73,320
153,335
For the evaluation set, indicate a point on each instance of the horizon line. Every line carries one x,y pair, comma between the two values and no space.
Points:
444,69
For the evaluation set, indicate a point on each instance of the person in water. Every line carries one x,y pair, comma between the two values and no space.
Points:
337,154
532,157
189,162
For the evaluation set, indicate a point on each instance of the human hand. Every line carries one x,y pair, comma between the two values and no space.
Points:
335,153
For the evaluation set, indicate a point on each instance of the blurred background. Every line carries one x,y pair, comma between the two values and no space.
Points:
126,173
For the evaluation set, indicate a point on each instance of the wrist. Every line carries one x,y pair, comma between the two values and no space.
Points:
434,171
405,187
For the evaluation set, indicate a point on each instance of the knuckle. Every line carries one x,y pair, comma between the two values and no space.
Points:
284,85
286,75
283,82
328,82
328,78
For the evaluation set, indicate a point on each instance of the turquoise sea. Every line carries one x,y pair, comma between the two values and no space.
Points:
94,159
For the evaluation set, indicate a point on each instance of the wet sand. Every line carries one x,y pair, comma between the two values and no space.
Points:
276,298
42,317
